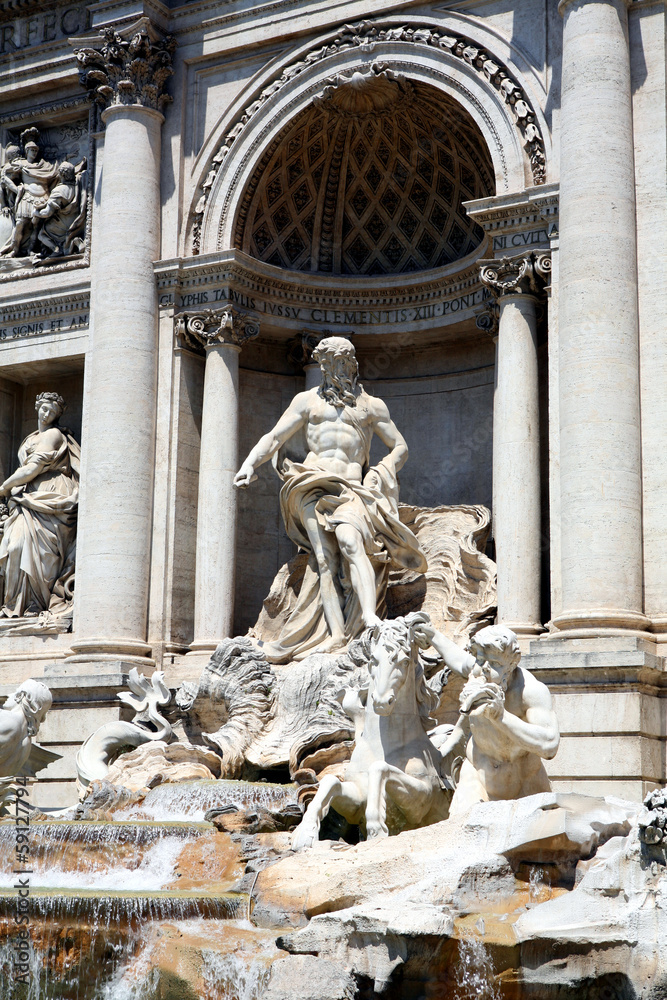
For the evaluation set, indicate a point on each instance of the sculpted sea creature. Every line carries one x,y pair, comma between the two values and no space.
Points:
393,761
100,749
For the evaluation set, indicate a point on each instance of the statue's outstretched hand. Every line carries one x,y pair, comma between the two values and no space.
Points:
245,476
423,633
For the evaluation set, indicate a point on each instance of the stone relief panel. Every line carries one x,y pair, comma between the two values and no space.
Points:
45,182
370,180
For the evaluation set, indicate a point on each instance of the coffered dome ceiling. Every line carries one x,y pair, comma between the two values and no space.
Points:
370,179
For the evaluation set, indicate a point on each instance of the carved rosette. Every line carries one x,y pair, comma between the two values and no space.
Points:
212,327
524,274
128,67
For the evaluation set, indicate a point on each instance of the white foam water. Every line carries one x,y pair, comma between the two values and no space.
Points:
235,975
155,870
474,969
191,800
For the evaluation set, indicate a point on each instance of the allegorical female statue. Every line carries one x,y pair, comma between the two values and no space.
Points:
38,545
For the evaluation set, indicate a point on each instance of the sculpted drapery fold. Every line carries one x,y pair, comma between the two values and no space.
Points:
38,547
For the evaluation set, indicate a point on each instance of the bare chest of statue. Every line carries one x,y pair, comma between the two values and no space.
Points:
339,437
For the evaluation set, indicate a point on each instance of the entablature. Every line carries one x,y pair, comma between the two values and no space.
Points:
291,300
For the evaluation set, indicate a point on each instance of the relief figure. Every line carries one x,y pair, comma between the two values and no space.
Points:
44,201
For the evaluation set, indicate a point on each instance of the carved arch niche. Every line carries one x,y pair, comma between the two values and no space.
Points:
370,179
452,80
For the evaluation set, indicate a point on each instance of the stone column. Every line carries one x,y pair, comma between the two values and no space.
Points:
126,72
300,354
221,332
600,475
517,283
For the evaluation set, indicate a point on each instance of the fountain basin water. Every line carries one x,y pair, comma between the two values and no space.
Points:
190,800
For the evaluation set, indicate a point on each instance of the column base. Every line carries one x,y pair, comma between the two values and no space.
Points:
659,628
523,628
603,621
114,649
202,646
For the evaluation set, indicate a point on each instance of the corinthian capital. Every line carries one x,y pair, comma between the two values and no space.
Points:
300,349
129,66
524,274
215,326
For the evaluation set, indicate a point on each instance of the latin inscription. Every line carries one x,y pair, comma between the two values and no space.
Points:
36,328
332,317
518,241
25,32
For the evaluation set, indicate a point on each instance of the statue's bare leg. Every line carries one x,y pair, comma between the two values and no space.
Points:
325,554
17,238
362,574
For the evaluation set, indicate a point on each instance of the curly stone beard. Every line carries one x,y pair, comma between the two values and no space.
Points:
337,387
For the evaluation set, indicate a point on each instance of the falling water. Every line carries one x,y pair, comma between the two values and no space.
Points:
475,979
230,977
100,855
107,912
191,800
537,884
240,974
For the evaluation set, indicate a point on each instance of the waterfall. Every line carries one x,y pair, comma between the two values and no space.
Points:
474,974
191,800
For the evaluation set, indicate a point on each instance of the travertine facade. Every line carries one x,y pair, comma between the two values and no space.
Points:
192,195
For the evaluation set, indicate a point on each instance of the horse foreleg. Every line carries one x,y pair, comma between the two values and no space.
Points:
345,797
308,829
376,804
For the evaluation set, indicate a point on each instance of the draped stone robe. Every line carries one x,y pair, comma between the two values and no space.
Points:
373,511
38,546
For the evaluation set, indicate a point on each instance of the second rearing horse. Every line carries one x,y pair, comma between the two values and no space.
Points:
393,761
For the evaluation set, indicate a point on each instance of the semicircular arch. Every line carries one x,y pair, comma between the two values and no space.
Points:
452,64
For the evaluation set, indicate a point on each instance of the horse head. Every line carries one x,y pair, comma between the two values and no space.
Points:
393,659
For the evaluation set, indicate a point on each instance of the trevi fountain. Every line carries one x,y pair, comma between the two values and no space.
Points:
333,472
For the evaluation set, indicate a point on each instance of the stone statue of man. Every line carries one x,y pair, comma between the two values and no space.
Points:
507,725
336,508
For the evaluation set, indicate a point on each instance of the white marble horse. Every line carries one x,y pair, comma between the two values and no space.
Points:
393,762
